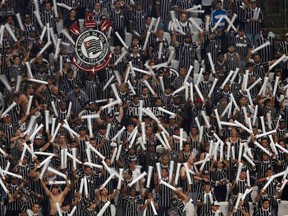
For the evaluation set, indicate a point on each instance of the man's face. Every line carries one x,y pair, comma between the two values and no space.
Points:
226,88
138,7
10,20
165,160
38,142
97,6
206,76
117,50
206,187
117,5
164,173
264,143
27,20
253,5
88,171
161,34
183,17
257,59
158,103
265,32
219,6
48,7
224,102
145,91
130,127
92,106
215,208
265,205
17,60
66,208
183,72
243,175
62,139
76,90
35,208
269,173
7,119
136,100
148,21
194,131
55,190
241,33
72,13
220,58
231,49
243,101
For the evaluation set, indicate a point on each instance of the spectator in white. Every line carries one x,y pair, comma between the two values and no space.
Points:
215,211
35,210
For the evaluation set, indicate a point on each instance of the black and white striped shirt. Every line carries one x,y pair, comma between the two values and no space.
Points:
165,195
268,52
252,27
138,20
264,212
242,45
48,17
118,19
164,8
132,204
15,204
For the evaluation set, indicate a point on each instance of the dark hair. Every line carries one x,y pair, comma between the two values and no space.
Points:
36,203
166,169
265,200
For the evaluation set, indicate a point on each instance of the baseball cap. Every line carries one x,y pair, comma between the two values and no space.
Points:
216,203
6,115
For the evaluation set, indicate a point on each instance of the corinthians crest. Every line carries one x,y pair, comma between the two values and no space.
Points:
92,49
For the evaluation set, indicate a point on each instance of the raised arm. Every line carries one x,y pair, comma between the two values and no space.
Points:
49,194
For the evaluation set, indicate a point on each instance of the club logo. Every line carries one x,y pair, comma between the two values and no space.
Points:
92,49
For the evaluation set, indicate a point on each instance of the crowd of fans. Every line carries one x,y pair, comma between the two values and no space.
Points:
193,124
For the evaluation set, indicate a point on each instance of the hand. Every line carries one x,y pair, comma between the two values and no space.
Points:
30,46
